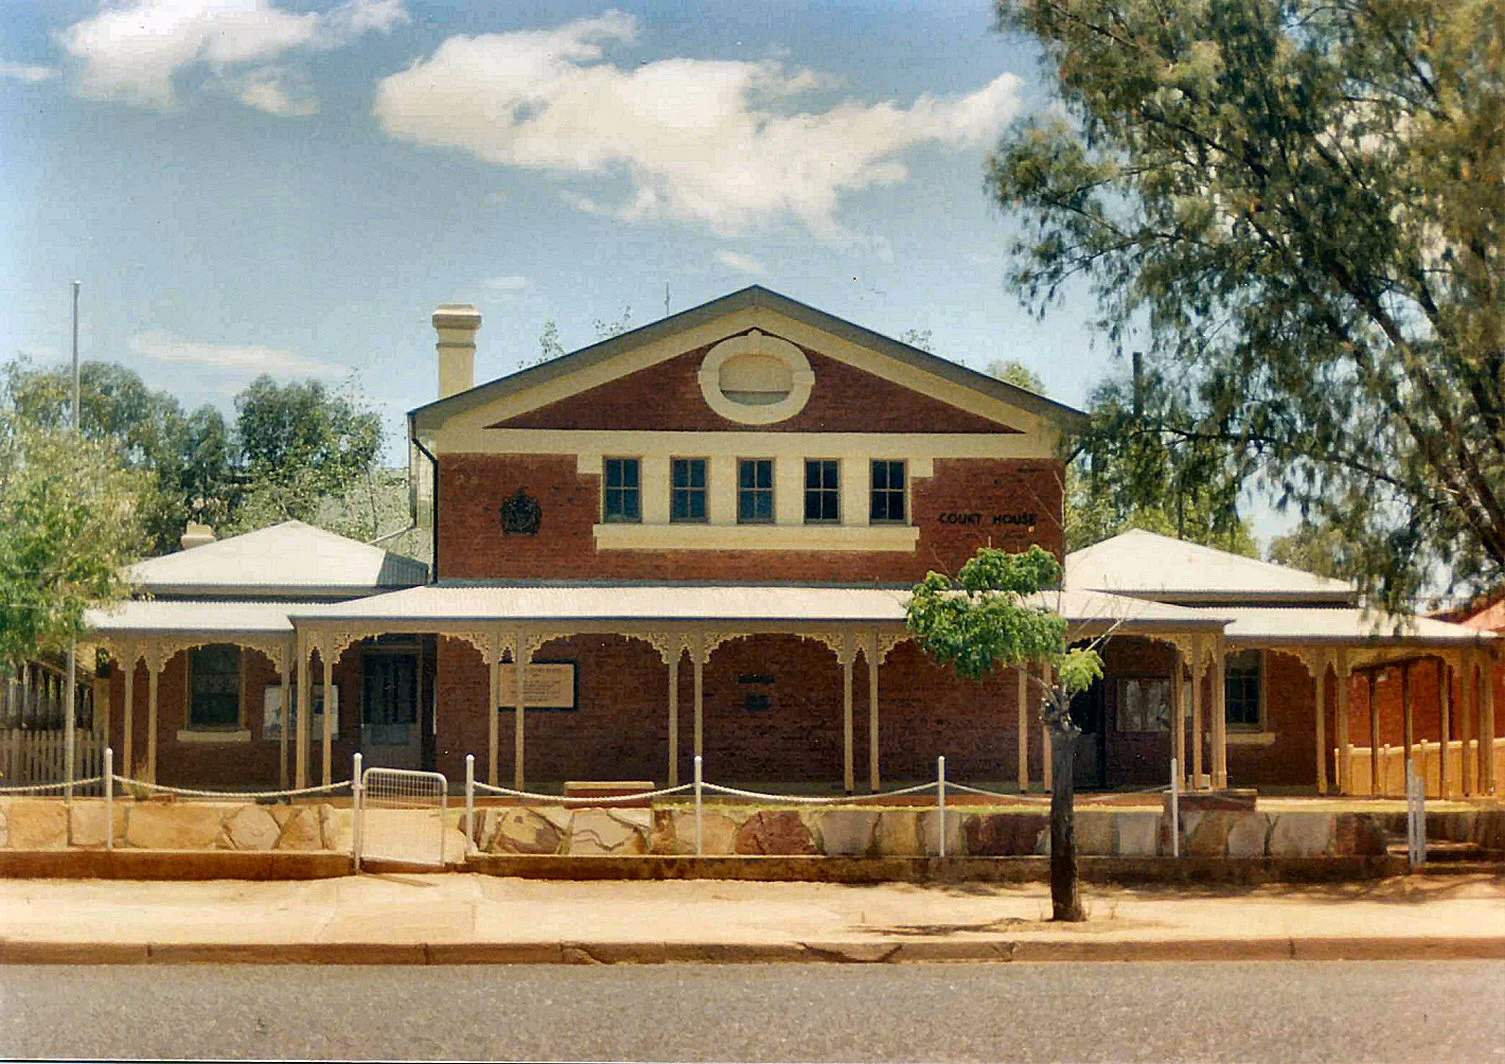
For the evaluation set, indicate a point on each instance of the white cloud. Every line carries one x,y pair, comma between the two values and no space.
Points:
713,141
276,91
134,49
738,261
515,282
27,72
161,346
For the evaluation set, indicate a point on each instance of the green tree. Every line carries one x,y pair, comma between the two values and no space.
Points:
605,330
1012,371
1302,204
299,444
186,458
996,615
1133,468
71,520
1320,549
548,342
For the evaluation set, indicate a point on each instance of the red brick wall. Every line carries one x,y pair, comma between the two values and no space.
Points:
620,730
473,487
668,397
1425,705
1290,713
232,765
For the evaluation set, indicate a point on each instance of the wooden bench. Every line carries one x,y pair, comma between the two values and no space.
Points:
611,789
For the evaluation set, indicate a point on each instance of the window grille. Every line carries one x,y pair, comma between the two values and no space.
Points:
687,491
822,491
888,493
755,491
623,499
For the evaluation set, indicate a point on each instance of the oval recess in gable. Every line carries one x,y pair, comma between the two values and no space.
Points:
756,379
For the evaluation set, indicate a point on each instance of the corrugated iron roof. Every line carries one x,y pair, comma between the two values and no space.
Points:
713,603
291,558
1342,625
1154,566
188,616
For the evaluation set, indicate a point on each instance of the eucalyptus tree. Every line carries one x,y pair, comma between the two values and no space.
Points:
1302,204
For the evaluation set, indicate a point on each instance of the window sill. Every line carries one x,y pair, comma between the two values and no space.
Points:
1250,738
757,537
205,735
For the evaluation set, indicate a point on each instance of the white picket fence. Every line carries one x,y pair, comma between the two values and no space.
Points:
28,757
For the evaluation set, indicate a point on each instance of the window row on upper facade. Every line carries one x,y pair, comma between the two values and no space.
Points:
689,486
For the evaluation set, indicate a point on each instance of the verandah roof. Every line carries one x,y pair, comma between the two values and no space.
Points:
441,605
729,604
191,617
1317,625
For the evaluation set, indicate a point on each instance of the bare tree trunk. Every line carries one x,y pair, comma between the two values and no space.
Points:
1065,900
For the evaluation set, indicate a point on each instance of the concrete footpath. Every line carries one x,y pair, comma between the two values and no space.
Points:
468,918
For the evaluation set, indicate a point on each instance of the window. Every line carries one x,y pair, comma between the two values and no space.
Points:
687,493
1144,705
214,686
888,492
623,500
755,491
1241,681
822,491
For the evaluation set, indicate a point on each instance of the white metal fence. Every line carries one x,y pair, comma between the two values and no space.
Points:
400,816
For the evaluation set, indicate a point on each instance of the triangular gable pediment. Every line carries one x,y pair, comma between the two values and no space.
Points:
862,381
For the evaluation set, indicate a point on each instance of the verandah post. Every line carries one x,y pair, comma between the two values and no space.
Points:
470,796
1175,807
698,792
674,652
109,782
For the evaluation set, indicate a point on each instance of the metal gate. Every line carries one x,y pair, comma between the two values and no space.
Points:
400,816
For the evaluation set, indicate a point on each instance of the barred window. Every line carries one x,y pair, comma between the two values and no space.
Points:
214,686
888,492
755,491
822,491
622,500
1241,679
687,492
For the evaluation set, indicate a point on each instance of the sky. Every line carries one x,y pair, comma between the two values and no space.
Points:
248,186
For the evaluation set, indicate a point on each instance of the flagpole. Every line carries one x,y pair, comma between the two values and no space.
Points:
69,738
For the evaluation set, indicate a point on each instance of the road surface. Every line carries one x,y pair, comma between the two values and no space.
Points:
1275,1011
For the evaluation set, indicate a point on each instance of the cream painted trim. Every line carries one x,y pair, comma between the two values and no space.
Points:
205,735
740,321
1250,738
756,343
757,537
590,445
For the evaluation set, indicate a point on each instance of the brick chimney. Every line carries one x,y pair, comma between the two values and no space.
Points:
457,324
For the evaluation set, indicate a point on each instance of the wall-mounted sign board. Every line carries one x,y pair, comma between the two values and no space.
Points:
546,685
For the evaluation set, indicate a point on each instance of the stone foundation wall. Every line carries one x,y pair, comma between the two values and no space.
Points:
860,832
49,824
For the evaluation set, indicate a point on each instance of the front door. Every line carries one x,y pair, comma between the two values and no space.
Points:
390,732
1088,710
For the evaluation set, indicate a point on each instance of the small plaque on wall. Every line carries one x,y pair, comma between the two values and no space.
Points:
546,685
